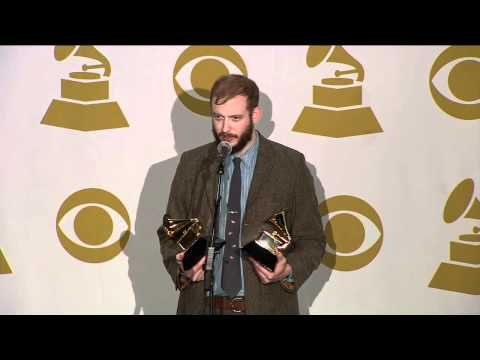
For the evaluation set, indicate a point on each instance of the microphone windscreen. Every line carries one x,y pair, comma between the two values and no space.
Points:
224,149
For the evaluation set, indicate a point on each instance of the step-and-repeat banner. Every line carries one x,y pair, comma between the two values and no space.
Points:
91,137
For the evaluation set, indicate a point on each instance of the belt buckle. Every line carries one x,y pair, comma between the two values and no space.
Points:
232,304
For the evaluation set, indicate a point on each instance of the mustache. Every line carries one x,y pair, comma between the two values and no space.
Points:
227,135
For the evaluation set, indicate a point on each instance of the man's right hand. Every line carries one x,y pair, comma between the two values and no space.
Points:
196,273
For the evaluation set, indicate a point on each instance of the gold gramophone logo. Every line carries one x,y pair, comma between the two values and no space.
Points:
350,244
84,103
462,272
463,82
4,266
337,109
93,225
210,67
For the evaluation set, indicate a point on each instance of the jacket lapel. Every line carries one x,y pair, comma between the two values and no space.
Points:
210,177
262,171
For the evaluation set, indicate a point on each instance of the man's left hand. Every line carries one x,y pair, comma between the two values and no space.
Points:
281,271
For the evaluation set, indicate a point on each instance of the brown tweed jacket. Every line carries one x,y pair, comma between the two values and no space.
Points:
281,181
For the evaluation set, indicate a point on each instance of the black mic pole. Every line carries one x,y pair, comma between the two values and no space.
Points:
208,275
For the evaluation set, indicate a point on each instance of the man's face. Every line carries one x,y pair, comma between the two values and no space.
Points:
232,123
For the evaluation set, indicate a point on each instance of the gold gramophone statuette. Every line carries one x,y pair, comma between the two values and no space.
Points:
461,273
186,233
265,249
281,236
337,109
85,103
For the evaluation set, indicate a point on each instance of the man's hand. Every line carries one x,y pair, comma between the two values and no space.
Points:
196,273
281,271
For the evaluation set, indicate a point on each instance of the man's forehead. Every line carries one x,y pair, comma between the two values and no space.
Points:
236,105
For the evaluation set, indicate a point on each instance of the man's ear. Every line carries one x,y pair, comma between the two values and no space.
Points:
257,115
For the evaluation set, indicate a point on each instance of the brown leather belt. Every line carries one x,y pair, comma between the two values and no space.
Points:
226,305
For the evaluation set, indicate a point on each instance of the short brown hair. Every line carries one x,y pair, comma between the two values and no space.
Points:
229,86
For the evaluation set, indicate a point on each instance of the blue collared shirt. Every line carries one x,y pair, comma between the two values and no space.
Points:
247,167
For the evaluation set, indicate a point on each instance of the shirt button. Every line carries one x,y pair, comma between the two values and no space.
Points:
233,221
234,246
230,233
231,258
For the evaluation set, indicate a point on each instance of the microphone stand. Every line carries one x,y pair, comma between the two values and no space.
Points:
208,274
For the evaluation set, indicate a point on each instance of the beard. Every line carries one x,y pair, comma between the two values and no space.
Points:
243,138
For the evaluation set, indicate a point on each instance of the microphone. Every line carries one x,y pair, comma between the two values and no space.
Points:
224,149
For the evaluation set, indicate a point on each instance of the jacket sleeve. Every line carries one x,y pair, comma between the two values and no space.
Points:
307,231
177,207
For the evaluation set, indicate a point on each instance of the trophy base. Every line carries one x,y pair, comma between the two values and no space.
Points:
84,117
337,123
465,252
262,255
458,278
84,91
194,253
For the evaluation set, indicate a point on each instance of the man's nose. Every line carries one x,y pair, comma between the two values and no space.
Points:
225,126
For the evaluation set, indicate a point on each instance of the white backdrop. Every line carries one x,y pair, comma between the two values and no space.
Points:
406,173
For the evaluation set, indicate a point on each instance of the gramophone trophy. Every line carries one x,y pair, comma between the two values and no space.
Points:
462,272
337,109
269,243
186,234
84,103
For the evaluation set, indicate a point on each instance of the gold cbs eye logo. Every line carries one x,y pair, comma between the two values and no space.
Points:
204,73
463,82
345,233
93,225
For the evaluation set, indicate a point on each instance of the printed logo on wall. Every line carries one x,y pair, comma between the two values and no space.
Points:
337,109
345,234
84,103
204,73
462,273
463,82
4,267
93,225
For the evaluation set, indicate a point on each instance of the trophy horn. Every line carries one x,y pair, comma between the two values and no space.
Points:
335,54
282,237
63,52
184,231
